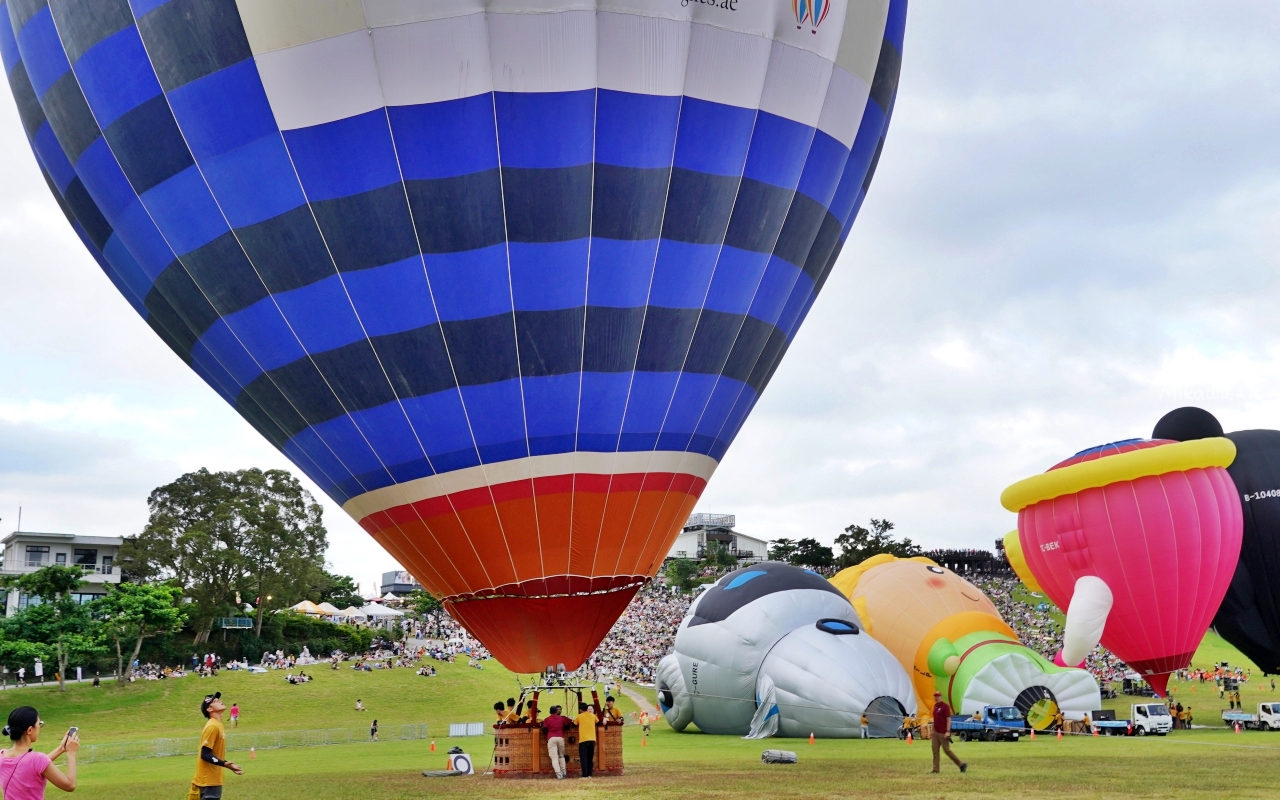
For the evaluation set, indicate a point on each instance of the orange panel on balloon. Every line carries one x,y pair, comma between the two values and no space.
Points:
524,533
539,569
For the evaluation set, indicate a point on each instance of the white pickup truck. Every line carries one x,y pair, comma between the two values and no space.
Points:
1151,718
1144,719
1267,718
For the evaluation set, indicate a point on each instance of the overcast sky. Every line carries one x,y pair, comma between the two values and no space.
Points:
1074,228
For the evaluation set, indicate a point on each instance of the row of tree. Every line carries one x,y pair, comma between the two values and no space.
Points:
856,544
216,544
58,629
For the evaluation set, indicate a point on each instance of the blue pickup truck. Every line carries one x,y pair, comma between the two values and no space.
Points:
994,723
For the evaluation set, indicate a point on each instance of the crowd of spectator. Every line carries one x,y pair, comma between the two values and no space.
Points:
446,639
1037,627
155,672
644,633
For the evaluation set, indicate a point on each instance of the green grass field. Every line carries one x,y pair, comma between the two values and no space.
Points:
1193,763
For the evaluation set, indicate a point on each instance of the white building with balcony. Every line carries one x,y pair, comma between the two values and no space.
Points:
702,529
28,551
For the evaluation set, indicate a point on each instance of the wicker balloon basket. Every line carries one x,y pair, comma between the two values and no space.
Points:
520,751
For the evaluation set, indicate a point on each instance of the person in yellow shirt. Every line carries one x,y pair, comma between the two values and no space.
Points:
207,783
612,716
501,711
512,717
586,722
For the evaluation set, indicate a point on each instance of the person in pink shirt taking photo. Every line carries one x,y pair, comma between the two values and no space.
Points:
23,770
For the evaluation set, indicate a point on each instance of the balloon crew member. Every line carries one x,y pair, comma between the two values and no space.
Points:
554,727
23,770
207,783
586,722
942,733
512,716
612,716
501,711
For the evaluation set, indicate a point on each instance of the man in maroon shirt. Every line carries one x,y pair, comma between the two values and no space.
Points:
942,733
554,727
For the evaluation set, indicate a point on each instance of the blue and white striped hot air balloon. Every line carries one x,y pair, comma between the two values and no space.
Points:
504,277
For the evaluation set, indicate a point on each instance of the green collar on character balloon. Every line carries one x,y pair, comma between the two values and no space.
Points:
955,664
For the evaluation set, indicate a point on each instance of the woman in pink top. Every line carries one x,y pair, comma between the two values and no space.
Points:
23,771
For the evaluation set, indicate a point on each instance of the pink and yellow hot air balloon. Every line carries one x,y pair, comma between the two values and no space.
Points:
1138,540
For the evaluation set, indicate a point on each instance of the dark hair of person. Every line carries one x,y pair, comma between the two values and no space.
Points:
609,698
498,706
582,706
511,701
20,720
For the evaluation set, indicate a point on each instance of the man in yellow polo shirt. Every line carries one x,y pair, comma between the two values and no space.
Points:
586,722
207,784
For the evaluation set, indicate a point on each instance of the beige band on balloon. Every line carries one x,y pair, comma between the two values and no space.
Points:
1217,451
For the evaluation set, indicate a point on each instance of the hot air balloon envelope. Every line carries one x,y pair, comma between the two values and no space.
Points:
503,277
1249,617
1148,519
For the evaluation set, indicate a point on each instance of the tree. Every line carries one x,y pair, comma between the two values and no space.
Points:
717,555
216,533
58,620
340,590
812,553
782,550
284,541
132,612
424,605
680,572
857,543
16,653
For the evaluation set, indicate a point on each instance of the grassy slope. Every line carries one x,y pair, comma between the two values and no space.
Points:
687,765
1191,764
151,709
690,765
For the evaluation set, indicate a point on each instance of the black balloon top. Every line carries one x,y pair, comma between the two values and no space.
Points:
1187,423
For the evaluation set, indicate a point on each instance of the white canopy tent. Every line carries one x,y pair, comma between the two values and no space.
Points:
374,611
380,615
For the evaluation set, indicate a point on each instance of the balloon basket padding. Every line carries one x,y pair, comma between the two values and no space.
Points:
520,751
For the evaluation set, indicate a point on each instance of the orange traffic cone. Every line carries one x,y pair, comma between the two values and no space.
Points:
1033,733
433,745
644,741
811,737
909,739
1095,731
253,754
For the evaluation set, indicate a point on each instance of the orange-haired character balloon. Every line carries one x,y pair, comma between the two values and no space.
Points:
1138,540
950,638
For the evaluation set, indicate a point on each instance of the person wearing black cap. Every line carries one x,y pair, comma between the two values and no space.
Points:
207,784
23,770
612,716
